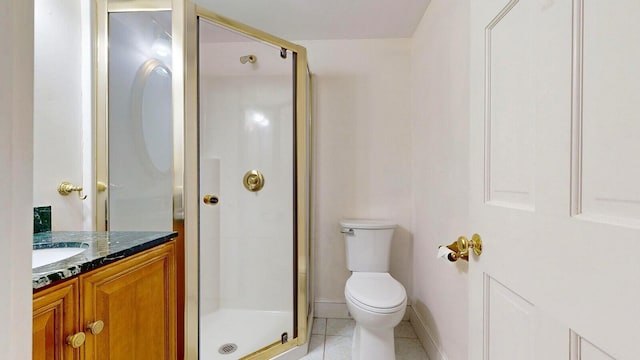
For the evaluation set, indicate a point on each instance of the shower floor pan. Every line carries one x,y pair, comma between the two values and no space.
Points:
249,330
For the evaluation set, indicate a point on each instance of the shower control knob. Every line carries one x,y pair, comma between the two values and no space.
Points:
210,199
253,180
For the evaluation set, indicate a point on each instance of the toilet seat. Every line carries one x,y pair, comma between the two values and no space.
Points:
376,292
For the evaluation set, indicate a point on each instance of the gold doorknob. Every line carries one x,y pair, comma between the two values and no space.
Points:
76,340
96,327
253,180
210,199
460,248
474,244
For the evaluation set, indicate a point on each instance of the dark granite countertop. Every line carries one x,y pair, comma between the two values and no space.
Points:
102,248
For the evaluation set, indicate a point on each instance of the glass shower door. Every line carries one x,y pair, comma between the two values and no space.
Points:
247,193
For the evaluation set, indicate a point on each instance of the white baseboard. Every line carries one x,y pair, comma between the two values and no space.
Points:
331,309
430,345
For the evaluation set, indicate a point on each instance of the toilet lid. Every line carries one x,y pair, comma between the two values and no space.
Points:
368,224
375,290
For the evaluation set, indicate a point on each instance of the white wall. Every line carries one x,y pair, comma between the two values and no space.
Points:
362,152
58,118
16,215
440,130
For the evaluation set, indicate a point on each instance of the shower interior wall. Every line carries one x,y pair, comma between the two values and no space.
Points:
245,123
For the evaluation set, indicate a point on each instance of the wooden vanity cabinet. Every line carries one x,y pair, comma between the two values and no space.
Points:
136,300
55,316
127,310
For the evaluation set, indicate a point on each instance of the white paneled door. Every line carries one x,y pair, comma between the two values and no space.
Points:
555,154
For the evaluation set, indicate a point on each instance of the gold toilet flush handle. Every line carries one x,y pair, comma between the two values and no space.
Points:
460,248
253,180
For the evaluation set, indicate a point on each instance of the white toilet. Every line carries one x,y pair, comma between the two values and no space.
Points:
376,300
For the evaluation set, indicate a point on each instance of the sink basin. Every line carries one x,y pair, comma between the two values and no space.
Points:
48,255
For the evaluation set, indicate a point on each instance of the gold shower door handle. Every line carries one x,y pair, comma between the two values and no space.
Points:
253,180
210,199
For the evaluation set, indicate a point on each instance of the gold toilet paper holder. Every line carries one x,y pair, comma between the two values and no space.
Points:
460,248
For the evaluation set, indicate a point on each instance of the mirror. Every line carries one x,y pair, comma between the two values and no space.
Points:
140,128
71,82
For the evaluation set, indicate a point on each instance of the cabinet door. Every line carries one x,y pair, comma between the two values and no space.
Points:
136,300
55,317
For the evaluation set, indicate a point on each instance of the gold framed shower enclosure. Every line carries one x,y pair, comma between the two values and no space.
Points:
302,306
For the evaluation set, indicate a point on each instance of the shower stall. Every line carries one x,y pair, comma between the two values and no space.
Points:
247,138
203,118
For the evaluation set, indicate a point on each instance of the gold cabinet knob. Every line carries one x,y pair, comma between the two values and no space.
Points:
210,199
253,180
96,327
76,340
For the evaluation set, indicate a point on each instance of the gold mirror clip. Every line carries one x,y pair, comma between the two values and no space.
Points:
101,187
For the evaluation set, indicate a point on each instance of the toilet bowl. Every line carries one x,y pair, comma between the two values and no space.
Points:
376,301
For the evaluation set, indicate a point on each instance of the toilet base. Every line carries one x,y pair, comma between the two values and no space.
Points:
373,344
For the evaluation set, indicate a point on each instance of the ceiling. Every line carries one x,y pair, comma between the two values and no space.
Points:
325,19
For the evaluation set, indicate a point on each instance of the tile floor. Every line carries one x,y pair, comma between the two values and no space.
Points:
331,340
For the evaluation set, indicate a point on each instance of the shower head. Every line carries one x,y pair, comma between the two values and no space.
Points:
250,58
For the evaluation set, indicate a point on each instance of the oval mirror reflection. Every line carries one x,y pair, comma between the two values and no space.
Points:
153,113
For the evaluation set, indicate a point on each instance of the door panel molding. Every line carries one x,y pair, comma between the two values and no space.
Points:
508,157
603,119
582,349
576,108
512,318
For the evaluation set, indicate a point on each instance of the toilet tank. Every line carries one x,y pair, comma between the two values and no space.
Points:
367,244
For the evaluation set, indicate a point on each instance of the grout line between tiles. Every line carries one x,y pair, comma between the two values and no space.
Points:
324,339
